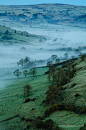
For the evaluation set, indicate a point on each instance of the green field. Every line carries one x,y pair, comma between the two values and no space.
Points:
13,36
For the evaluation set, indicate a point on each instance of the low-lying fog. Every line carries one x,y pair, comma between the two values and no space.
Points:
60,39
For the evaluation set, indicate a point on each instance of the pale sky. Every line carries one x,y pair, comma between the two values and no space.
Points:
32,2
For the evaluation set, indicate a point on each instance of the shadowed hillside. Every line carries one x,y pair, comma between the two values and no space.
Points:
66,113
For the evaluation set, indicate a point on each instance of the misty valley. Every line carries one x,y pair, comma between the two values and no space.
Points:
42,48
70,40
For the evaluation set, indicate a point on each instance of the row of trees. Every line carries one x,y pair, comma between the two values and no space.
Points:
59,76
56,72
25,62
32,71
55,59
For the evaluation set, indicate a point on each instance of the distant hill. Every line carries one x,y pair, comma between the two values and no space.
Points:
44,13
81,18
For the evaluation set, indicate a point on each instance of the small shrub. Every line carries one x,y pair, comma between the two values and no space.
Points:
60,88
33,99
77,95
7,37
55,127
82,56
27,99
40,118
7,32
44,101
39,123
33,109
48,124
83,110
28,126
63,106
27,89
71,74
70,107
50,110
73,84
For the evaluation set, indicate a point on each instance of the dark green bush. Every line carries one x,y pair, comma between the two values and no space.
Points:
27,99
48,124
40,117
83,110
69,107
77,95
27,89
8,37
61,77
55,127
52,94
71,74
82,56
60,88
39,123
73,84
63,106
50,110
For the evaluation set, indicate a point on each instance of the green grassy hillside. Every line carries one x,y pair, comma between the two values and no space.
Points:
12,101
8,35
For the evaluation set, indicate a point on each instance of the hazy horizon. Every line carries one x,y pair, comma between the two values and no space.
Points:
32,2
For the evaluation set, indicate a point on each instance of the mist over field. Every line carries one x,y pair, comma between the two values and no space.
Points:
56,43
53,39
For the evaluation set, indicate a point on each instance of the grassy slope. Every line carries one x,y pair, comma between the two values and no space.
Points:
12,101
18,37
